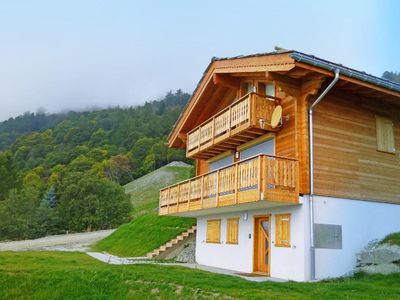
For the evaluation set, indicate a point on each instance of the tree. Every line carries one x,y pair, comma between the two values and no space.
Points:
50,198
9,176
89,203
118,169
393,76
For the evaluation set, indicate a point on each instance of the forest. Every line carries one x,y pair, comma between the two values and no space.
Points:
64,172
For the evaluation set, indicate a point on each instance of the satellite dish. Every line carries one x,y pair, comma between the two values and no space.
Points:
276,116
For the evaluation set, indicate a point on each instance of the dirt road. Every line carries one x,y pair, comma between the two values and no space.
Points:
66,242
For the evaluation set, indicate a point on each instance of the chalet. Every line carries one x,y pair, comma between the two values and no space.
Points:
297,162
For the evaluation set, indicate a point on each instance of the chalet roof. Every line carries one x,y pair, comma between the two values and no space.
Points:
301,58
327,65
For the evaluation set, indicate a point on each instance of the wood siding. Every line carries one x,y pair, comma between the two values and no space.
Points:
347,161
201,167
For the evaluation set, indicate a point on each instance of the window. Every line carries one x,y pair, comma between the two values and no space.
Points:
282,230
266,88
213,231
247,87
385,135
232,231
270,89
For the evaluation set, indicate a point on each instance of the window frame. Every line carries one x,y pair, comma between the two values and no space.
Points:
228,229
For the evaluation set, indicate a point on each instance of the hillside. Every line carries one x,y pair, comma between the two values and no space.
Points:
147,230
45,159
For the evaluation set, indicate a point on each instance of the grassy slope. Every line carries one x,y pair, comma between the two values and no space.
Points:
51,275
147,230
393,239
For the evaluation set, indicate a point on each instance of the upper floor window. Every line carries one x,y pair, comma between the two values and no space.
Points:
385,135
266,88
270,89
261,87
247,87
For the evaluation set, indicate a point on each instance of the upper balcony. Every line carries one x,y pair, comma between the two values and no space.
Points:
242,121
259,181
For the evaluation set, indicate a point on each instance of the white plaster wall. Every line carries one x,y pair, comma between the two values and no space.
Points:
361,221
286,263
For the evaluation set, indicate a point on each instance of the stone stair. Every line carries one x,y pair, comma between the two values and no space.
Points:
169,247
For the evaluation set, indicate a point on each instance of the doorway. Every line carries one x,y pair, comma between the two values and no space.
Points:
262,244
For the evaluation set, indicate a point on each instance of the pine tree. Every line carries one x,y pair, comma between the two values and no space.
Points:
50,198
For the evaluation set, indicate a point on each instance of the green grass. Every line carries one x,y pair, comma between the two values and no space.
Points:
143,234
147,230
393,239
145,197
51,275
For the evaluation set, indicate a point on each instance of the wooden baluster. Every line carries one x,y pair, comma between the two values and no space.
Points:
217,190
231,112
236,187
169,199
201,191
260,176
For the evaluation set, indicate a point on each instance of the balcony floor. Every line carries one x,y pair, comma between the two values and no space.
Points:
227,142
261,204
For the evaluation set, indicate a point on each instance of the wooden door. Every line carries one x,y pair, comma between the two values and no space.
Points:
262,244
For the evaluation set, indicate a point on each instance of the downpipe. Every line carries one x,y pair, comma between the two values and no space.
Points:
311,145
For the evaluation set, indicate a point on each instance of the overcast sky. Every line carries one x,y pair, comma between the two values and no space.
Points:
70,54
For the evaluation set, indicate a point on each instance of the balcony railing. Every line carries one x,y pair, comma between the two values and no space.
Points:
252,111
262,177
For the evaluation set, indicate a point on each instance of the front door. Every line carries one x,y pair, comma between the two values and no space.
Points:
262,244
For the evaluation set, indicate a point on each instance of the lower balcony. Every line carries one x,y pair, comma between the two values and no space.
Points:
258,180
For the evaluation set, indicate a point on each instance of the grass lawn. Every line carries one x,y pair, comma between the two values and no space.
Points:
51,275
147,230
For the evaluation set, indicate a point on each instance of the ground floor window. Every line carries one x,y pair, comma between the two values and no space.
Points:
232,231
282,230
213,231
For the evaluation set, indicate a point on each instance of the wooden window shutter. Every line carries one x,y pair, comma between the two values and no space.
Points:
282,230
385,135
213,231
232,231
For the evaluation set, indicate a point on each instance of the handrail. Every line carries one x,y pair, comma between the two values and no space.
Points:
229,106
228,166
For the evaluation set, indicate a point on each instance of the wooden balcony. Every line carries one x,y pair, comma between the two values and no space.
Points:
242,121
259,178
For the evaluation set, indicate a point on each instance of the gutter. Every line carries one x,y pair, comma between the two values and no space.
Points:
311,145
351,73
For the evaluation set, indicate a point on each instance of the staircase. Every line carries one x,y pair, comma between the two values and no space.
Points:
174,246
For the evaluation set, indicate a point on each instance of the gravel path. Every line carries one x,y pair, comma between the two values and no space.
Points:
66,242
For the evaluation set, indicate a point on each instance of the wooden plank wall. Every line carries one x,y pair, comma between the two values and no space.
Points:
347,163
201,167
